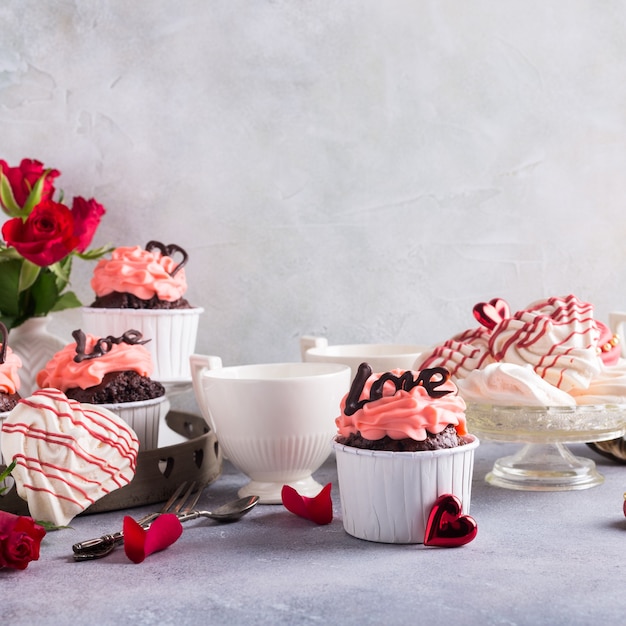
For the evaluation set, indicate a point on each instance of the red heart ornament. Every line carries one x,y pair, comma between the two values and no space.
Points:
491,313
446,526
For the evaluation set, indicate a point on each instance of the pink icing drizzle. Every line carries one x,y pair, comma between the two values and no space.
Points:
557,336
62,372
107,433
402,414
142,273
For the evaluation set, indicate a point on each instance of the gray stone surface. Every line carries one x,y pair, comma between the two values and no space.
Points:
539,558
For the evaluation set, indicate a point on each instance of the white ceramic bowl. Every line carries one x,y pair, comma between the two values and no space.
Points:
382,357
172,334
144,417
387,496
275,422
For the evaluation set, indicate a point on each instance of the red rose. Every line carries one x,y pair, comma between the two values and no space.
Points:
23,178
87,215
46,236
20,538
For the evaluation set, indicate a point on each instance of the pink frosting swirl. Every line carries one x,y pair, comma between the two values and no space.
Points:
142,273
9,378
62,372
402,414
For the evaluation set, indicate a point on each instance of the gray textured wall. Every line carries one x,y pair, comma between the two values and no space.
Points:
359,169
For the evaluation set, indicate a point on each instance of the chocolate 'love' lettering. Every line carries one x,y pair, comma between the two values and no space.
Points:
104,345
430,379
169,250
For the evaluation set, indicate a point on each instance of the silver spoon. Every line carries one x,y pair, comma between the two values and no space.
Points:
229,512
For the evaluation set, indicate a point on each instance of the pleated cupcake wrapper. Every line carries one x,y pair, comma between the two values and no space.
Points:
387,496
143,417
172,335
3,416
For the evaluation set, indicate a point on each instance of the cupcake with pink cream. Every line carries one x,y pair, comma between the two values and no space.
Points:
68,455
114,372
10,363
401,443
144,288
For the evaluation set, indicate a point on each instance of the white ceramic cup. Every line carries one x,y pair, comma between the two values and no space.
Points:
382,357
275,422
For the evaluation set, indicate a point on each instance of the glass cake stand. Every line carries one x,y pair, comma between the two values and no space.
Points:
544,463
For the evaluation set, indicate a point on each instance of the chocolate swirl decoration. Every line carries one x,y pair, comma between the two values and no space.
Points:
169,250
4,333
430,379
104,345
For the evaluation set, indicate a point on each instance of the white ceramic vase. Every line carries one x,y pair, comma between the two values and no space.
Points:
35,345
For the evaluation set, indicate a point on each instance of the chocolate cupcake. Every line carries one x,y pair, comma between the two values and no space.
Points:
10,363
9,378
401,443
144,288
114,372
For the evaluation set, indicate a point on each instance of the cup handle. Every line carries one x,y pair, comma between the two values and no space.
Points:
308,341
198,364
617,319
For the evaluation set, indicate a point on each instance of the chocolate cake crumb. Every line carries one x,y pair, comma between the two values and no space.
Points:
117,300
447,438
8,401
128,386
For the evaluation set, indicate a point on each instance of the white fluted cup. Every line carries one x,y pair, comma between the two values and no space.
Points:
172,334
275,422
143,416
382,357
387,496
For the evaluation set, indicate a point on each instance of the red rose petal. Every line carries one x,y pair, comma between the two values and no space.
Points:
140,543
318,509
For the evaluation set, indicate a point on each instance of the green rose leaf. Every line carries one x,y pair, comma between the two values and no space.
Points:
28,275
68,300
62,270
10,206
6,473
9,293
44,293
34,197
96,253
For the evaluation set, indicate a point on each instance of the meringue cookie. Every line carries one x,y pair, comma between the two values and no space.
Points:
509,384
68,454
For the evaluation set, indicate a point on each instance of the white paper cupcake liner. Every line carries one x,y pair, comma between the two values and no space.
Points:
3,416
172,334
143,417
387,496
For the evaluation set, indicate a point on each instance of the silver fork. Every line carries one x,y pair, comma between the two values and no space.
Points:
101,546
